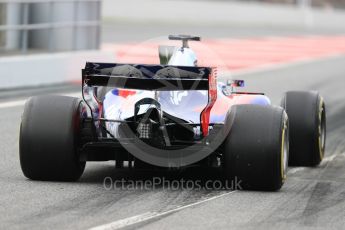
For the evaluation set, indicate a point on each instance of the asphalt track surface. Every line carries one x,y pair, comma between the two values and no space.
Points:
311,197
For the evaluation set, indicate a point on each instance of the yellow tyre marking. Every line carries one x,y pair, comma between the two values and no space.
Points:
282,159
320,131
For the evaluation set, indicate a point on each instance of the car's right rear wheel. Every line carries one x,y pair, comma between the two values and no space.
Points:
307,115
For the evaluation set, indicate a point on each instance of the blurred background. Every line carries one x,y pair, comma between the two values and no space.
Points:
314,3
49,40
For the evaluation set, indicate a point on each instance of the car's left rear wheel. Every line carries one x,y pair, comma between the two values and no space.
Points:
48,137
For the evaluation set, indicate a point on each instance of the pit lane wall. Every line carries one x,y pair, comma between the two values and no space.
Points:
47,69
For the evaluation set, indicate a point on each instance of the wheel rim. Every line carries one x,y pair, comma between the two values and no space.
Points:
284,152
322,130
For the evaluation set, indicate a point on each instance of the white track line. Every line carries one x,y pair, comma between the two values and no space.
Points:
10,104
151,215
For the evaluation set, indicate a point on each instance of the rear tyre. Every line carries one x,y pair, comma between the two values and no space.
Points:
48,137
307,116
256,148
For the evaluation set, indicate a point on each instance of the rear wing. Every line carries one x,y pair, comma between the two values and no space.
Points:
146,77
156,78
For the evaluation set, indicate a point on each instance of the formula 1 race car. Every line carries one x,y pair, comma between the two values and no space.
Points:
172,115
